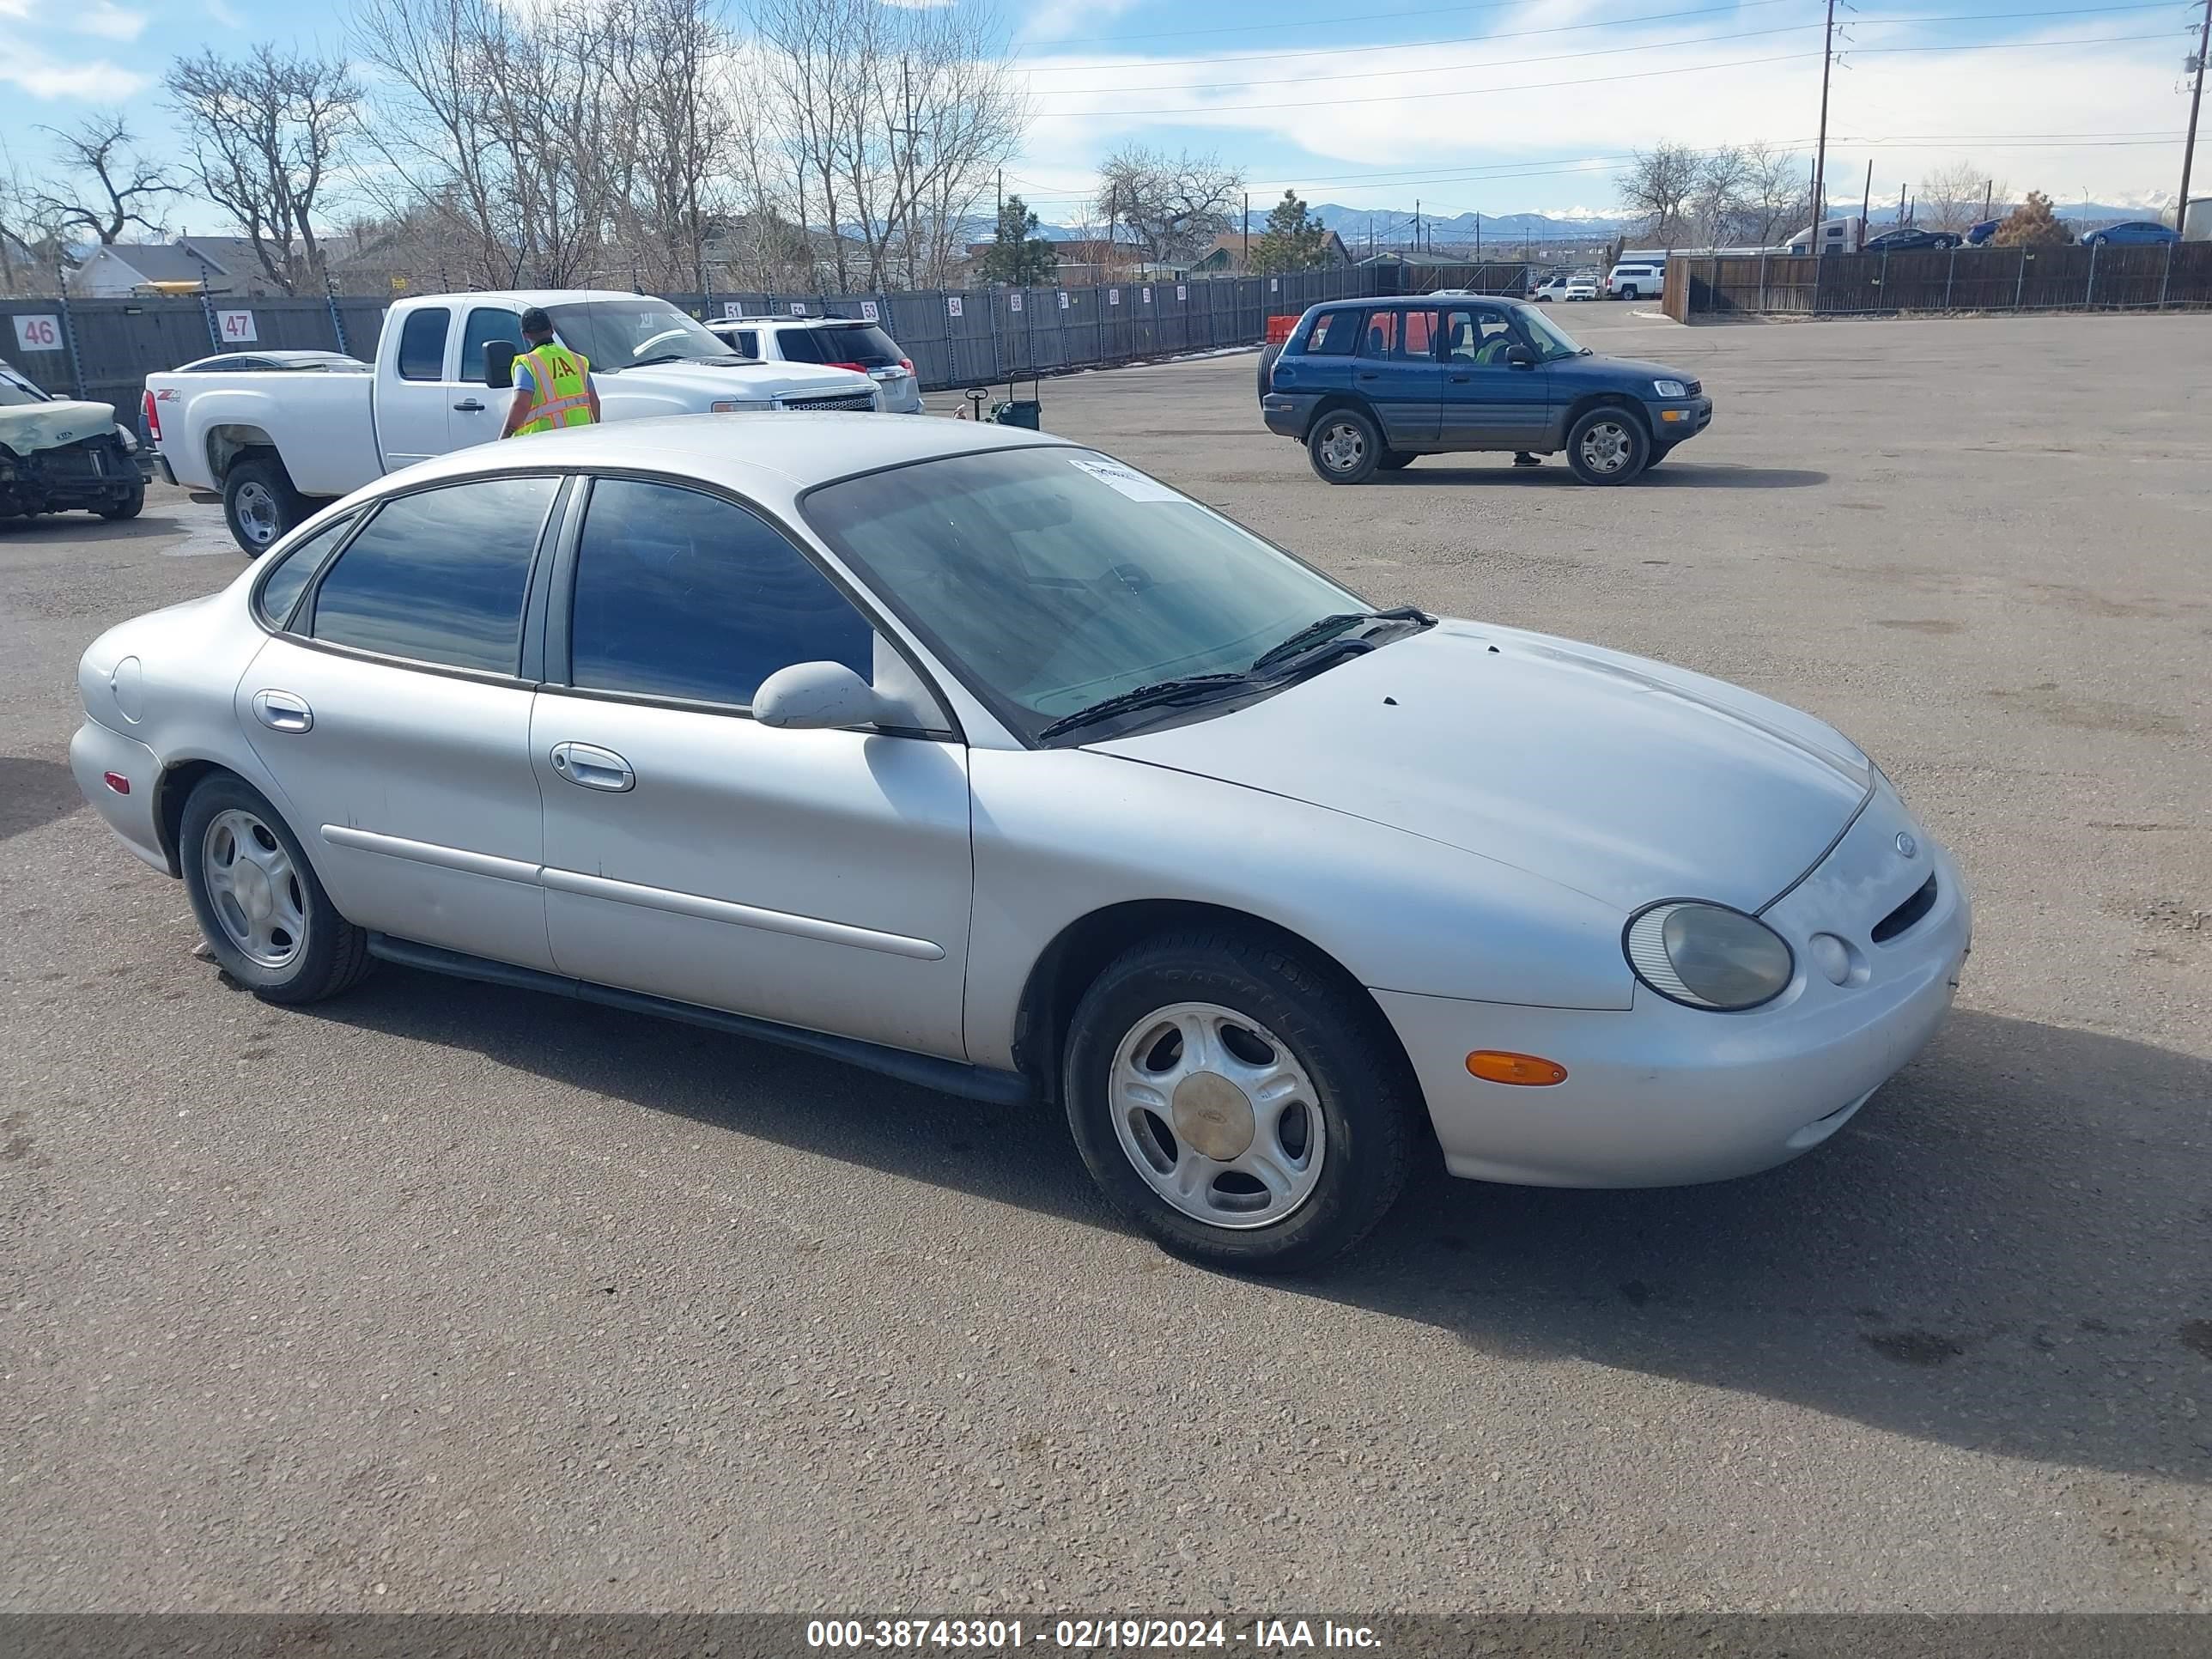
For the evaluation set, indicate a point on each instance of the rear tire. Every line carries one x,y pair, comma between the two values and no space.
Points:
1284,1066
260,504
1608,446
1344,447
265,916
1267,355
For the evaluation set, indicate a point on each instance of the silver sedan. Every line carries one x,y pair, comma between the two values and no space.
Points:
983,760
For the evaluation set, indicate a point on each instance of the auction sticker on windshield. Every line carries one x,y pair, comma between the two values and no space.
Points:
1135,485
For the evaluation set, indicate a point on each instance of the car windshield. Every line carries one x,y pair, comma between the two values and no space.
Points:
619,334
15,389
1552,341
1054,578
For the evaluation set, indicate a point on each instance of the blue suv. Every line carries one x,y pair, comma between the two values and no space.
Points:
1368,385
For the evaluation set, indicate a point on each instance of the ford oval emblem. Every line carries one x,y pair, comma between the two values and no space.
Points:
1906,846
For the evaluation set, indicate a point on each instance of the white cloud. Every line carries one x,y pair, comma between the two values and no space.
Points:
106,20
1911,113
97,82
224,15
1058,19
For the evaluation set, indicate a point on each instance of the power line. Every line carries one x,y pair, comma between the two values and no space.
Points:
1588,80
1522,34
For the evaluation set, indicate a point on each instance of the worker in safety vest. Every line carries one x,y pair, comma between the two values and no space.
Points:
552,385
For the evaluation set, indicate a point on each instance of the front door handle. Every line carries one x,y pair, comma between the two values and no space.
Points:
1367,374
593,768
470,406
281,711
1461,379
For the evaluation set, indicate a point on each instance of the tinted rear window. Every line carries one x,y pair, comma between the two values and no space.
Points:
1335,334
846,343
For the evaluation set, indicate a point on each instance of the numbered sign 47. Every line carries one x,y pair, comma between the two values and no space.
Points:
41,333
236,327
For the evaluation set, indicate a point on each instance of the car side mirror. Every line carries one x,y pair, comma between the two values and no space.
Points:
499,364
810,696
1519,357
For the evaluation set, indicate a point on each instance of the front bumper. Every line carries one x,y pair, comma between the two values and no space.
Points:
95,751
1662,1094
1678,418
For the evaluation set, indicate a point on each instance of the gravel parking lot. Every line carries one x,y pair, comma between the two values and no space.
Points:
442,1296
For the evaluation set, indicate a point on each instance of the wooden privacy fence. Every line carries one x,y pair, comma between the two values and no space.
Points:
2176,275
105,349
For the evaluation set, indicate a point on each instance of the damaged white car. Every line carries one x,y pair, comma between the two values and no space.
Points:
58,454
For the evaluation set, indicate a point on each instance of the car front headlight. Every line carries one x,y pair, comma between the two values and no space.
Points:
1670,388
1707,956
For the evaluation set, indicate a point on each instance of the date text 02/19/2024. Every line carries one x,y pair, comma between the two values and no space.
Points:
1084,1634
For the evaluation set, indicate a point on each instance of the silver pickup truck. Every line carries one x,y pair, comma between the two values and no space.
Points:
276,446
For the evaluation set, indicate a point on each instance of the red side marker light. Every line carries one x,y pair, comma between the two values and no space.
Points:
116,782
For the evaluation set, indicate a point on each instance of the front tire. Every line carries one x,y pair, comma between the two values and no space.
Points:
1344,447
1608,446
271,927
1243,1110
260,504
129,508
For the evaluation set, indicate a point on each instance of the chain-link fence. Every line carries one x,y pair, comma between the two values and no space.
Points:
105,349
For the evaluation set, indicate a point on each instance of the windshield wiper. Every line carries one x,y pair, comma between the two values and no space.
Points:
1328,627
664,357
1189,688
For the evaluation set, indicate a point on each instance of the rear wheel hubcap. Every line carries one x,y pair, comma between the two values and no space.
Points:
256,513
1342,446
253,889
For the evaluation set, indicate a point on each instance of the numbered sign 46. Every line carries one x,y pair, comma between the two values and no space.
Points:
42,333
236,327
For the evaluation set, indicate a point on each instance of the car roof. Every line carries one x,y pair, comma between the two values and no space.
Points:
789,322
771,458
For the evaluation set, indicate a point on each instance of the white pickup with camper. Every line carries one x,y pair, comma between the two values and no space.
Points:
276,446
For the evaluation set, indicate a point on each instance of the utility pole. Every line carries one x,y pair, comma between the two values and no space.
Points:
1866,199
1248,230
1901,199
1821,154
2196,103
1417,224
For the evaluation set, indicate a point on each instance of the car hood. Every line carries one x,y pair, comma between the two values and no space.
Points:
1624,780
27,428
1612,371
706,383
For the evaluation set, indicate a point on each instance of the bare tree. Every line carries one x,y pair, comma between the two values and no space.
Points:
1952,198
1174,206
30,239
1659,185
266,131
1724,180
1776,197
108,183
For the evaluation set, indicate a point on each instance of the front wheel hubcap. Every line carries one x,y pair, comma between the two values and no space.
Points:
254,891
1606,447
1217,1116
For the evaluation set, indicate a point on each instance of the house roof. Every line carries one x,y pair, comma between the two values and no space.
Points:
162,262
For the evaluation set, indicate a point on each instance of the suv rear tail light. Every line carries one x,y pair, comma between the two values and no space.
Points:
858,368
906,363
153,417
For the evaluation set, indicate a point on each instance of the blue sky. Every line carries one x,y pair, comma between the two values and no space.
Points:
1501,106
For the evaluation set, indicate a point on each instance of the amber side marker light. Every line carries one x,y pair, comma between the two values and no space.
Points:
1497,1066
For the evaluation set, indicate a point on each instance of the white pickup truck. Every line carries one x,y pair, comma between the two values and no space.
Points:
276,446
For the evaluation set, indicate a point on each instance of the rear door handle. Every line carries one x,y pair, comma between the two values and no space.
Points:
593,768
281,711
470,406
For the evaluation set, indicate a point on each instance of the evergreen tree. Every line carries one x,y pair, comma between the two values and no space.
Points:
1292,240
2032,224
1019,256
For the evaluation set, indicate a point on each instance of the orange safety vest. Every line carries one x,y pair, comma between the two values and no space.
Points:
557,388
